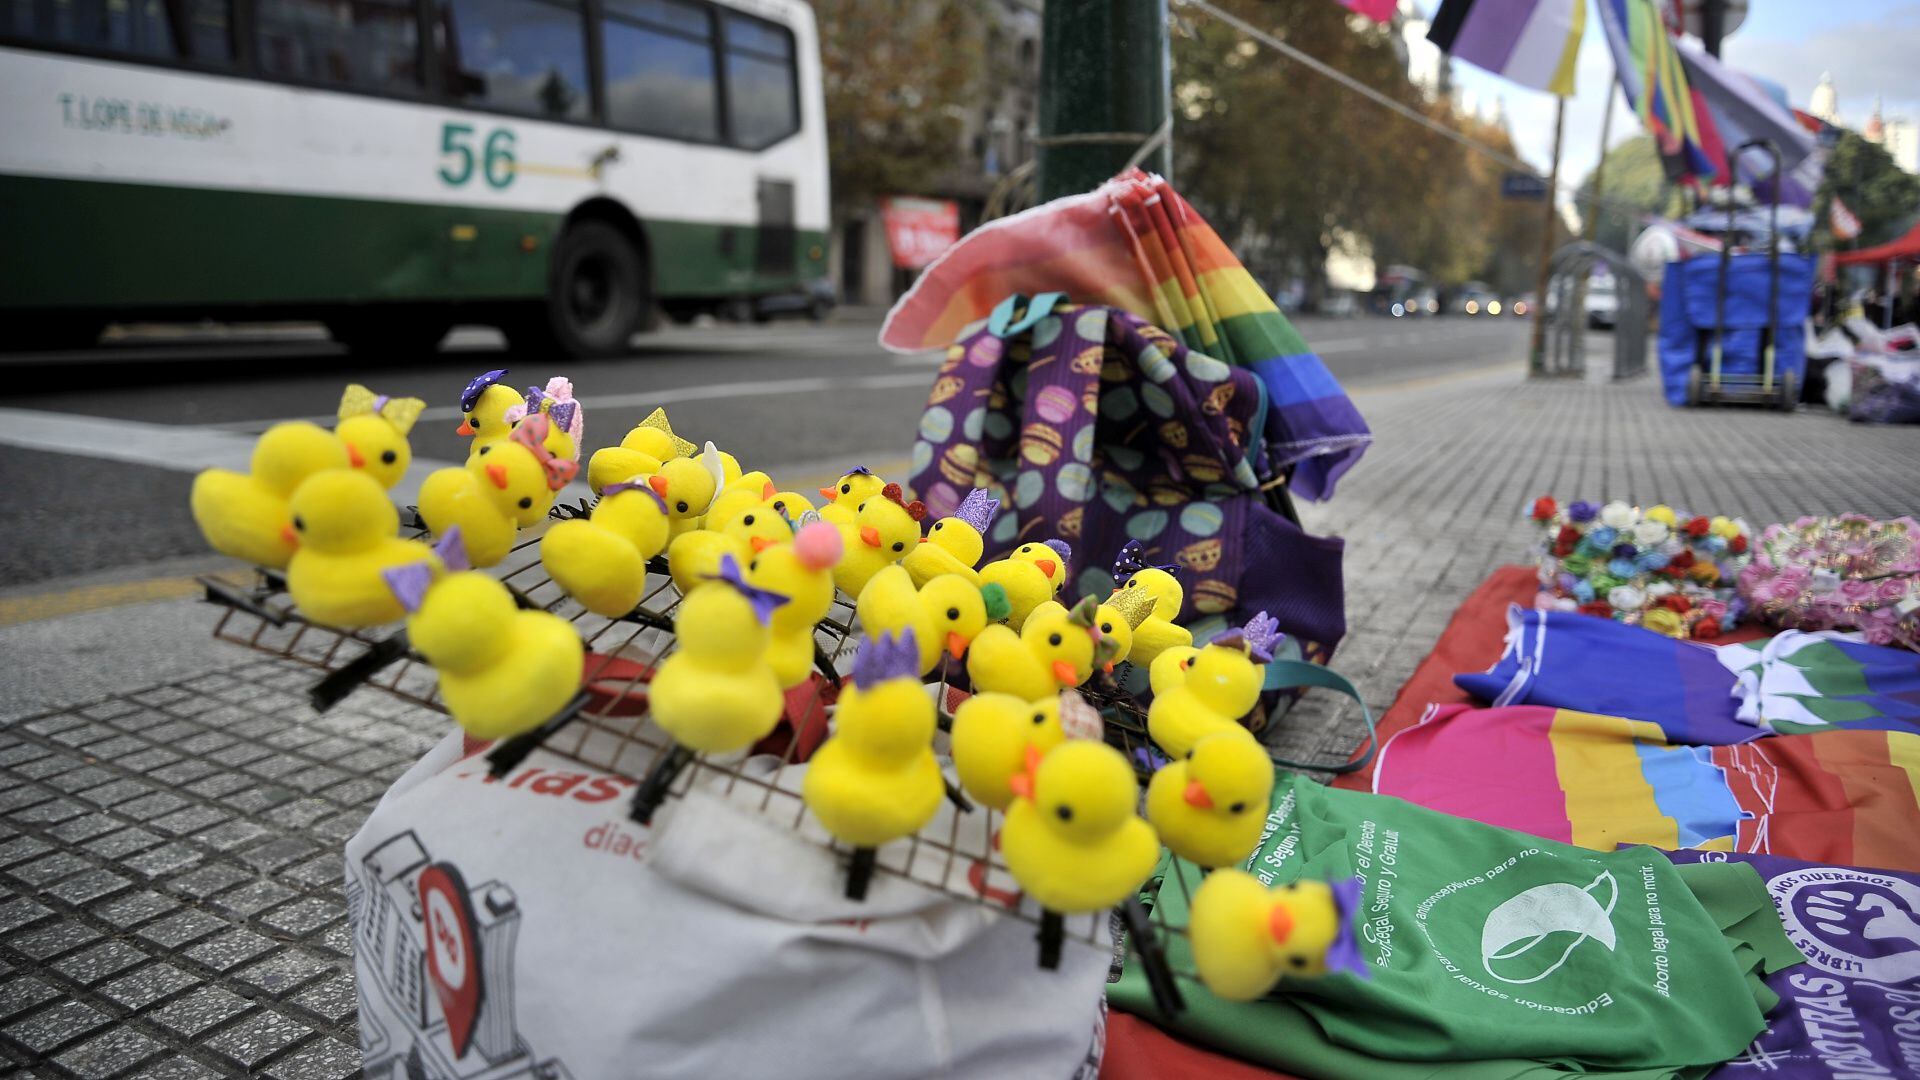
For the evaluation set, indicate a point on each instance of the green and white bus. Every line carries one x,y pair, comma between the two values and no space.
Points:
558,168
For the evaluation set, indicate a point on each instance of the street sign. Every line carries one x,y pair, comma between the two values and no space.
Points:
1519,185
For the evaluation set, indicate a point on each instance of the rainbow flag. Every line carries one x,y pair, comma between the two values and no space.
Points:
1532,42
1655,83
1851,798
1135,244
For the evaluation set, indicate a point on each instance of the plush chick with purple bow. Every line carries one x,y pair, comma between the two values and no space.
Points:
556,402
875,779
503,671
1246,937
505,487
483,410
1219,685
954,544
1031,574
1156,632
717,693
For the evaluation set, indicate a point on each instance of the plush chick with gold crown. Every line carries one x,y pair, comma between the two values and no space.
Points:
881,533
1071,838
1120,616
1246,936
1054,652
1220,685
875,778
502,671
1157,632
1032,574
945,616
483,410
717,693
844,496
1210,806
346,531
245,515
953,545
601,560
505,488
567,420
802,571
993,735
641,452
373,427
688,487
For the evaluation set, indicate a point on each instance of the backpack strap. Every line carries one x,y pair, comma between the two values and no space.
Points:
1008,319
1299,673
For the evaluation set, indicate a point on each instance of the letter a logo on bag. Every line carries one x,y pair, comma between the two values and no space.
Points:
453,951
1535,918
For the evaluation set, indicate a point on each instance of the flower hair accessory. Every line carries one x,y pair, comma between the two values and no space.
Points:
915,509
532,434
764,601
471,395
1061,548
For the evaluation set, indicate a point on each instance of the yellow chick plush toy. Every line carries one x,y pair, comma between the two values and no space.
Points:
875,778
801,570
1157,632
1169,669
507,486
688,487
953,545
1071,838
1031,575
1219,686
945,616
1054,652
346,528
566,419
844,496
245,515
884,529
641,452
373,427
483,410
1246,936
503,671
601,560
717,694
695,555
993,737
1210,806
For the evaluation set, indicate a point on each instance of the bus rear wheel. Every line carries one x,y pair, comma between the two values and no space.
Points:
396,331
597,299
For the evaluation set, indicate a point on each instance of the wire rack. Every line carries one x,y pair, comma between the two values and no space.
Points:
608,728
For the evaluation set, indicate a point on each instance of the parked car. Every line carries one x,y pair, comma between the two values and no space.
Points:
1603,303
1474,298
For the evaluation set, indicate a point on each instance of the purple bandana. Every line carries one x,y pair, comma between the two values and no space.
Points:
471,395
611,490
1131,561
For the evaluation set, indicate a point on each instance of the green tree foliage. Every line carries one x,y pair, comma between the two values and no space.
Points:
898,76
1634,183
1879,193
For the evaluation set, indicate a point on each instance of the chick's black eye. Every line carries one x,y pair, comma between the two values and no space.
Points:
474,422
681,506
1106,628
299,525
748,520
938,525
1053,639
1064,813
899,547
953,613
389,457
1027,550
780,506
1237,808
485,449
1297,961
526,502
1039,718
846,489
1131,584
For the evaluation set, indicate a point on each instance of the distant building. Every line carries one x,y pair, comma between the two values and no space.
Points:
1427,67
1825,102
1897,135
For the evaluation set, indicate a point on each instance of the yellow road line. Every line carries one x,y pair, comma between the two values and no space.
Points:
52,605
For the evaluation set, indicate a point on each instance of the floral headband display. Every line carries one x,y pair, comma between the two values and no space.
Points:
1668,571
1839,573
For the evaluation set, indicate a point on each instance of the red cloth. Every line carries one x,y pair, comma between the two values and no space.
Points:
1472,641
1137,1050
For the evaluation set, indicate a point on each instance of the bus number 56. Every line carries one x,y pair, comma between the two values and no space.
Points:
457,160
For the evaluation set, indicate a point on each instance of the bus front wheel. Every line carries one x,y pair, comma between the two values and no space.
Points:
597,299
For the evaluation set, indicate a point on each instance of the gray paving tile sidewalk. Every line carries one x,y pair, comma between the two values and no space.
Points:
170,864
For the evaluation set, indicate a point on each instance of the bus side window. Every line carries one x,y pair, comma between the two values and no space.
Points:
198,30
763,104
526,56
367,43
659,64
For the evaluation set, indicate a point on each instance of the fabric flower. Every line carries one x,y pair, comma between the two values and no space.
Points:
1618,515
1699,526
1710,608
1602,537
1544,507
1582,592
1582,511
1725,528
1890,590
1855,591
1664,515
1706,629
1705,573
1659,589
1676,603
1565,604
1662,621
1577,564
1626,598
1622,568
1625,551
1737,545
1649,533
1600,609
1682,559
1650,561
1716,544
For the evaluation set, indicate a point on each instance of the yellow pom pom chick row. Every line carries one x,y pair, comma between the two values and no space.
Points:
503,671
802,571
945,616
1219,686
883,530
483,410
1210,806
875,779
1157,632
717,693
641,452
994,738
1246,936
1031,575
1054,652
346,529
505,487
373,428
844,496
954,544
1071,838
245,515
601,560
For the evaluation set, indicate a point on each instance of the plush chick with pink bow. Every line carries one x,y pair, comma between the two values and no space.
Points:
503,671
505,487
556,402
374,428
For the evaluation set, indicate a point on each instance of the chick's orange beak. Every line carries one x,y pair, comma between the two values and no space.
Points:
828,493
658,483
956,645
465,427
760,543
1196,795
1047,567
1021,783
354,458
498,474
1280,923
286,533
869,536
1064,674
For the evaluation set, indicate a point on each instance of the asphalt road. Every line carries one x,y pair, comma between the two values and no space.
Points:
799,400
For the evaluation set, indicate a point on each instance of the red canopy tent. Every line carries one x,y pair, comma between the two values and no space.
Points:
1906,247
